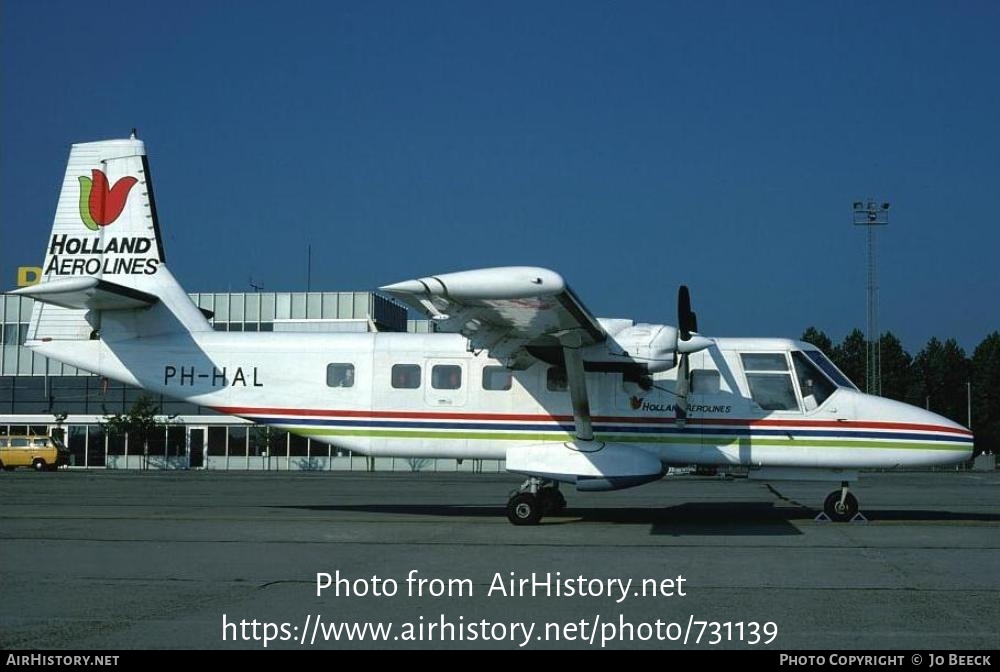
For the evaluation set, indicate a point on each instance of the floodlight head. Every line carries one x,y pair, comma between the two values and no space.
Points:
858,205
885,206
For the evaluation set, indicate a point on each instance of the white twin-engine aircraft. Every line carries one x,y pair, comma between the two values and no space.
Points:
519,370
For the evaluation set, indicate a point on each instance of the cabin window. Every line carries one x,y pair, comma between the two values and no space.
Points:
446,377
814,385
497,378
406,376
555,379
340,375
705,382
770,381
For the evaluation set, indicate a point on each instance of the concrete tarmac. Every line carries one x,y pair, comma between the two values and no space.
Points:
126,560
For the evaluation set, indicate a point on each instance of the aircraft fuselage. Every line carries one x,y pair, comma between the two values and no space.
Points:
444,409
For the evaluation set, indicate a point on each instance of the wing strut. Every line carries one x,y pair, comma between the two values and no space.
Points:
576,380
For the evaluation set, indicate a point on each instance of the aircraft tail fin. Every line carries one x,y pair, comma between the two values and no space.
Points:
105,270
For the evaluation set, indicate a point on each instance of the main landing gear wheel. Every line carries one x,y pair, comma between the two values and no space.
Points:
524,509
552,501
840,507
535,498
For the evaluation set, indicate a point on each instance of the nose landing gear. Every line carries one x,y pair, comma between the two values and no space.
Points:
841,506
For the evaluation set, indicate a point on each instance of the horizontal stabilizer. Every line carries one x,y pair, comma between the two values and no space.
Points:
88,293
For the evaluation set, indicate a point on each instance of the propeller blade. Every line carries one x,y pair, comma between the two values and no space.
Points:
683,309
683,387
687,321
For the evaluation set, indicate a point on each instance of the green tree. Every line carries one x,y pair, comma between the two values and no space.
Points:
850,357
986,394
818,338
941,371
141,425
897,370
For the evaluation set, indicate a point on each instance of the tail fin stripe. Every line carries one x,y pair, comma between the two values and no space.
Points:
148,183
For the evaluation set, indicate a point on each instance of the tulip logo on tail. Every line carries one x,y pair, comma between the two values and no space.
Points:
100,205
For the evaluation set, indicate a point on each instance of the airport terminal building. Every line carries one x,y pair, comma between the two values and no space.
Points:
41,396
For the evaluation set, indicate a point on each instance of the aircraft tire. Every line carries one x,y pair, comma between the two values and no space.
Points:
524,509
552,501
840,513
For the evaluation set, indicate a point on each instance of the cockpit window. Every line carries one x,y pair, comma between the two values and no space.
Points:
827,367
814,385
764,361
770,381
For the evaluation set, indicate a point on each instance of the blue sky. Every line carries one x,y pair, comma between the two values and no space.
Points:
630,146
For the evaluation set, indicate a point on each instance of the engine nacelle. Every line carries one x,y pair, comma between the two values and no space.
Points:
653,347
591,466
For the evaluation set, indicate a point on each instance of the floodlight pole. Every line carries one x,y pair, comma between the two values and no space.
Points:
968,401
871,214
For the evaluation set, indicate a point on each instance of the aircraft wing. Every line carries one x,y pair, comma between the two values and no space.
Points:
503,310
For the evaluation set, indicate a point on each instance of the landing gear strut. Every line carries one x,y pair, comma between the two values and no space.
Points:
535,498
841,506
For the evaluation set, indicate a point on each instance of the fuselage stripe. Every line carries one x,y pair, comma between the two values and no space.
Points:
791,434
566,420
627,438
